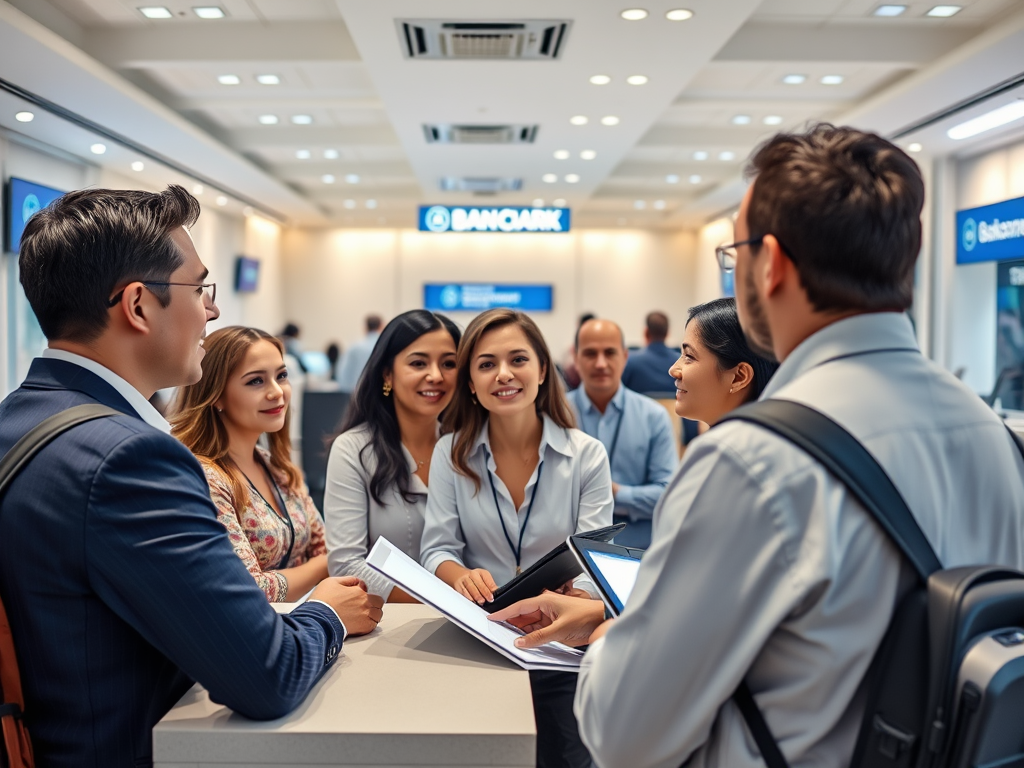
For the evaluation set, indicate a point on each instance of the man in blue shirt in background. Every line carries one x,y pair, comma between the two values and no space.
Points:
647,370
635,430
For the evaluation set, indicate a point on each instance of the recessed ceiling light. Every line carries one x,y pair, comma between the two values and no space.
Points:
302,119
561,154
138,166
221,200
268,119
794,79
559,202
155,12
549,178
268,79
578,120
98,149
350,204
700,154
303,154
637,79
600,80
741,120
229,79
327,178
672,178
24,117
609,120
371,204
331,154
679,14
695,179
352,178
915,147
726,156
994,119
944,11
659,205
772,120
832,80
634,14
197,190
209,12
889,10
571,178
639,204
588,154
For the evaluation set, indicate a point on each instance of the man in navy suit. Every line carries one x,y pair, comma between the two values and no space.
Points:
647,370
120,584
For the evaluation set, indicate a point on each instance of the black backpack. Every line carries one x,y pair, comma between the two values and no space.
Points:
946,686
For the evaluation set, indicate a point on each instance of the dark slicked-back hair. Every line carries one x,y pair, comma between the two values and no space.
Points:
85,246
657,326
718,327
846,208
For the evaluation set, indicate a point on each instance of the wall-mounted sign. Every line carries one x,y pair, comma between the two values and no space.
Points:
443,218
476,297
24,200
991,233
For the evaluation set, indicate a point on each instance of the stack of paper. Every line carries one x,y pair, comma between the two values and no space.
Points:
427,588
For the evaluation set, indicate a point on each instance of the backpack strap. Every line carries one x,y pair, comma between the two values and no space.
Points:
12,701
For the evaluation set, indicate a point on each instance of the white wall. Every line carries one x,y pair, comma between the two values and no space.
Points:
987,178
334,278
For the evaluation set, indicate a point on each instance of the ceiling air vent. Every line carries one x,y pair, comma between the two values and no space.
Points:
480,134
440,39
480,185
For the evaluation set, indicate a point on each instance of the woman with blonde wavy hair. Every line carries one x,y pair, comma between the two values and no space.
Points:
260,496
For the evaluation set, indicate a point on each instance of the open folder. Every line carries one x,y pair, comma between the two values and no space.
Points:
389,560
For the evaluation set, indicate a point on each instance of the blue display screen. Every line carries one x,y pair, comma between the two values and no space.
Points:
476,297
24,200
460,218
247,274
990,233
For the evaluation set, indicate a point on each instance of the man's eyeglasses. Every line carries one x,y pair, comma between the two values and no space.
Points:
726,254
209,291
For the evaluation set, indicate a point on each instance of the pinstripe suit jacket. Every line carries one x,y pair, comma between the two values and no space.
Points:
122,588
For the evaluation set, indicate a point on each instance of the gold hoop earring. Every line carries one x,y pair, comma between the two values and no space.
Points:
387,389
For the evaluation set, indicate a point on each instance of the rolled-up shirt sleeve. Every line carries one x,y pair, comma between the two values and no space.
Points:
347,516
713,586
442,531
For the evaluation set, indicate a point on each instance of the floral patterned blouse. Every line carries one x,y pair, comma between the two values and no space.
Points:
261,538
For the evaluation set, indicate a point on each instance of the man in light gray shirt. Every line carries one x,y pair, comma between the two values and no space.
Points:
354,360
763,567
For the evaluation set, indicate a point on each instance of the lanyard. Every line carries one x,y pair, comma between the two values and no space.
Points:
282,515
517,553
618,425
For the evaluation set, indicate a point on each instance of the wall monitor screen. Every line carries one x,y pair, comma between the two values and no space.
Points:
247,274
477,297
24,200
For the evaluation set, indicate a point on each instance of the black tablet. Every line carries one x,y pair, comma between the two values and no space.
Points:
612,567
550,572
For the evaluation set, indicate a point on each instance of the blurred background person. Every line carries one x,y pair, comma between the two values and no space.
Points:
271,522
647,369
378,468
567,366
634,429
333,353
292,346
355,358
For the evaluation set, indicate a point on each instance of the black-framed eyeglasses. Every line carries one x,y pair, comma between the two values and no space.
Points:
726,254
209,291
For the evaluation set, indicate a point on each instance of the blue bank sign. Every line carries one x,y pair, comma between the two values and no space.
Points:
991,233
443,218
476,297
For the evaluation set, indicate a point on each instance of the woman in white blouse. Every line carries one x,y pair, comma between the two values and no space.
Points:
510,479
378,468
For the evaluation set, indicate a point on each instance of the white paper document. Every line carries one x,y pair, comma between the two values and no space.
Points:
387,559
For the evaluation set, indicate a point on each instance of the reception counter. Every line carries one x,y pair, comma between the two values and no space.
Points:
416,691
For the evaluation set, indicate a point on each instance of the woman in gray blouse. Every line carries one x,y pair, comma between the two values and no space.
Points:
378,468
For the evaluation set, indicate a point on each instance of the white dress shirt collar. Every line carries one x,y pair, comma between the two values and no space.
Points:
553,436
140,404
861,333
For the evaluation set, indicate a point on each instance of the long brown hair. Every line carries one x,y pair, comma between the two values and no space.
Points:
197,425
465,417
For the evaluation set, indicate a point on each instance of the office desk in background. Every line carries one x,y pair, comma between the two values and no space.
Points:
417,691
